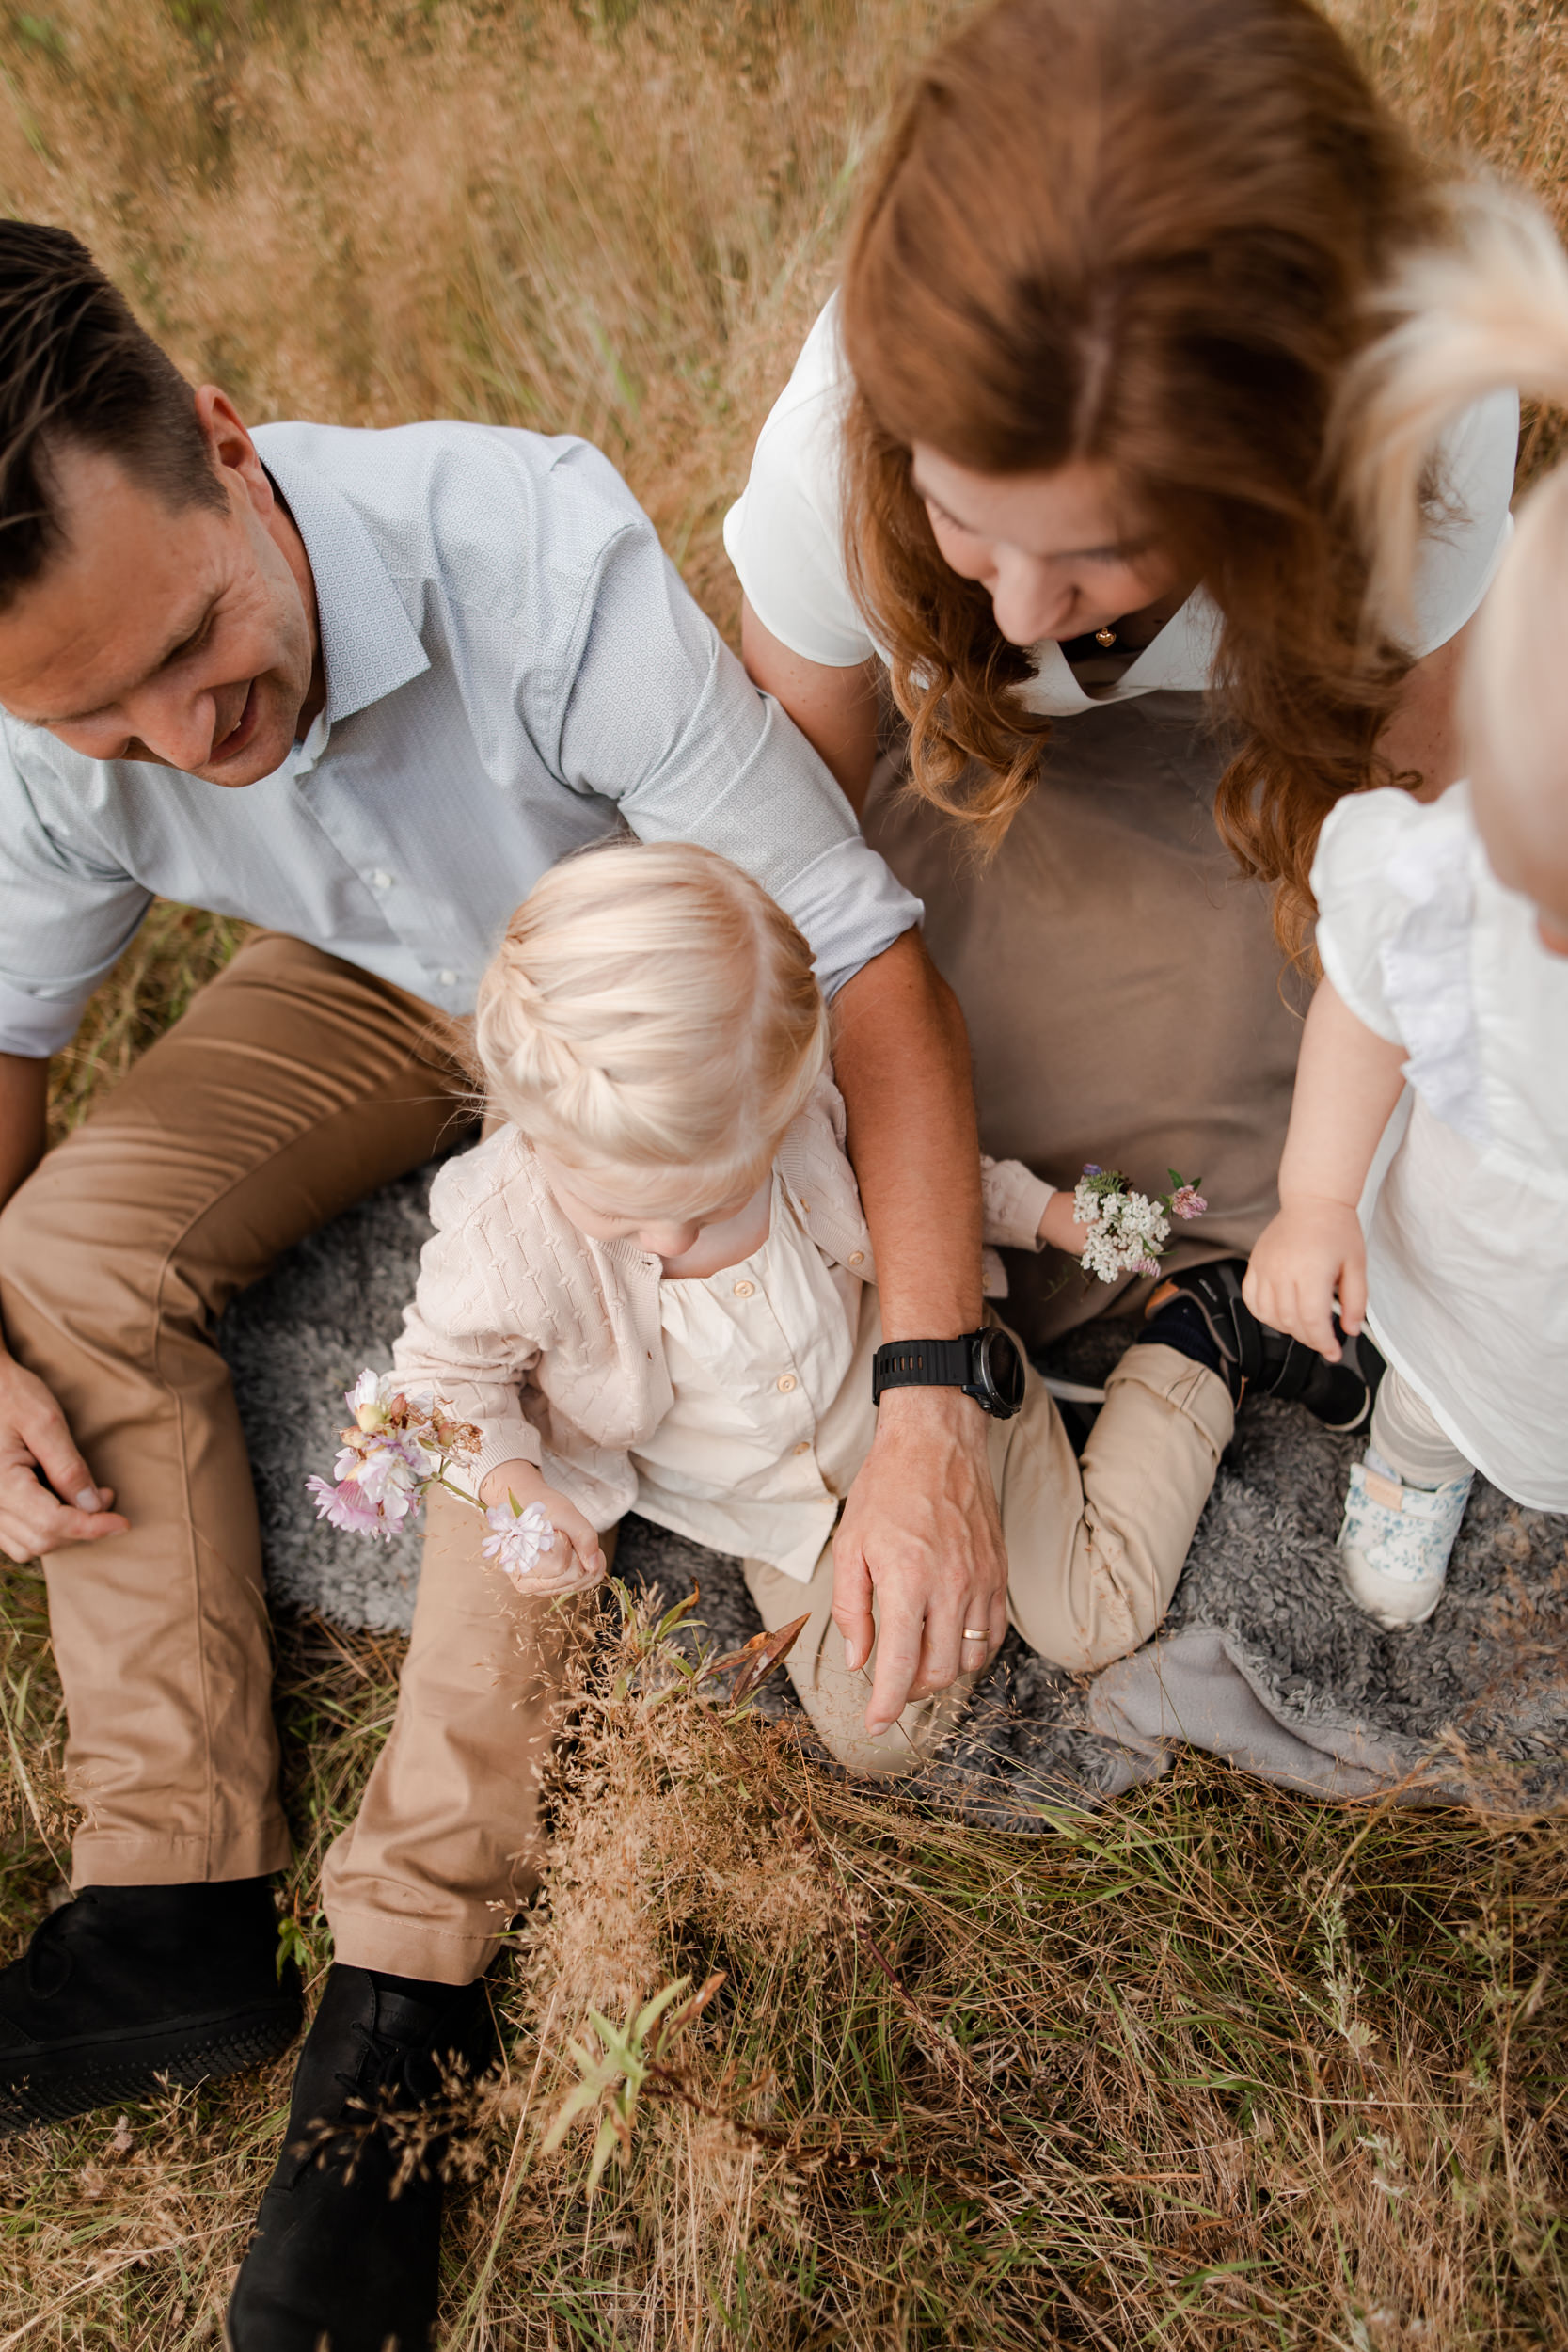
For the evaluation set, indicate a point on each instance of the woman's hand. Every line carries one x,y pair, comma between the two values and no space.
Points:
1313,1252
525,1482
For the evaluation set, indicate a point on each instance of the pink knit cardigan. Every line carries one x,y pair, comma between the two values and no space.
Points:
551,1342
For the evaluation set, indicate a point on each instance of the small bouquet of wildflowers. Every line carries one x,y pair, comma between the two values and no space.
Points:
1127,1232
396,1448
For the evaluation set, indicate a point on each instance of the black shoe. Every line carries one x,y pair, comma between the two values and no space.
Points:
127,1987
346,2248
1269,1362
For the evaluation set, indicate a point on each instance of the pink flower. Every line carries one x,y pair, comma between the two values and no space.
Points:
347,1506
517,1539
390,1470
1146,1266
1186,1200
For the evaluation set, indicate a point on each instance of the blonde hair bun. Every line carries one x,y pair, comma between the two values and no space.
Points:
652,1011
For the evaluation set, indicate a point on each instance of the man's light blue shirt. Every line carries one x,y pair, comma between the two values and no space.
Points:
512,670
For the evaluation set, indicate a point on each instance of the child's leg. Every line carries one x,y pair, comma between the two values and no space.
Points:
1093,1556
1094,1550
1410,1442
834,1698
1403,1509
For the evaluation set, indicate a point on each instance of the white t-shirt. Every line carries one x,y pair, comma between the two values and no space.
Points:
783,537
1467,1265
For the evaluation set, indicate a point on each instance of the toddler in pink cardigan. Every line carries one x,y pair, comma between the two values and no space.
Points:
653,1287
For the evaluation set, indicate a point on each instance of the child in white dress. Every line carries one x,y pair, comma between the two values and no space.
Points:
1443,933
653,1287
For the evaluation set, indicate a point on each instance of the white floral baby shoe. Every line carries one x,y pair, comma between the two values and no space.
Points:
1395,1543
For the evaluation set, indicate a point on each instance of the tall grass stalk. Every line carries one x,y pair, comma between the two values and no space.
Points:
1213,2067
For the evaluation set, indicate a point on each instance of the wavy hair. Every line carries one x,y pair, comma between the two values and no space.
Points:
1142,233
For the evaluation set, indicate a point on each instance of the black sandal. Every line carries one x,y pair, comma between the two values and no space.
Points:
1269,1362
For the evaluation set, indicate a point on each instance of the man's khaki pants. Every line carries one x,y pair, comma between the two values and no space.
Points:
292,1086
1094,1549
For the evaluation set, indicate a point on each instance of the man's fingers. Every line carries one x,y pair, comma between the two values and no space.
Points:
44,1432
851,1609
898,1648
32,1523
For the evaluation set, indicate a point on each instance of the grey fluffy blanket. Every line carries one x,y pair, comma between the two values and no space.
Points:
1261,1660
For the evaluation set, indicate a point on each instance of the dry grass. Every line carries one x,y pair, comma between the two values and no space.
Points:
1213,2068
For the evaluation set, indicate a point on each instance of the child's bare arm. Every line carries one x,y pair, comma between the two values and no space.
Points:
1347,1085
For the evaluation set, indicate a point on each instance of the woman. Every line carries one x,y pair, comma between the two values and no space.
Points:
1054,475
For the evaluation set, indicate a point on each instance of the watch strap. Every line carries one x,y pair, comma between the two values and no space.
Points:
922,1364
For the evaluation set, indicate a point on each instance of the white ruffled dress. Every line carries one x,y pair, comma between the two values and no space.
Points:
1467,1246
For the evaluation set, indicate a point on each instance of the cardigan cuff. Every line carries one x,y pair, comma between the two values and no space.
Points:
513,1439
1014,1200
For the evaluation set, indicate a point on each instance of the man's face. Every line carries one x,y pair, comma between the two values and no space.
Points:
185,636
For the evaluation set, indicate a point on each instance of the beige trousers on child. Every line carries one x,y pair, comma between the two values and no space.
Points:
1094,1549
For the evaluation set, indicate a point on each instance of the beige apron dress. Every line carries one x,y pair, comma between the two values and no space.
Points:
1126,1000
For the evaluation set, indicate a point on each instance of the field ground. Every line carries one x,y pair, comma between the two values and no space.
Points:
1211,2068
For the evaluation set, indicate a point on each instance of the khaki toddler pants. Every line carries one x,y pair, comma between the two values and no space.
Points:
1094,1549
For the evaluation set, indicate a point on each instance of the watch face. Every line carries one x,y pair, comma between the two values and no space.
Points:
1001,1371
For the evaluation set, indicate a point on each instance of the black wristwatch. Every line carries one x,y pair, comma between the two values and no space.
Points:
986,1364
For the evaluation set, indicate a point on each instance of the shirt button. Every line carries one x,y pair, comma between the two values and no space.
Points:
786,1382
805,1208
448,979
857,1257
804,1446
381,880
744,1290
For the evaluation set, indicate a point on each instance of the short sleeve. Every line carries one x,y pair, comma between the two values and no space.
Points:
67,911
783,533
1463,549
662,719
1361,911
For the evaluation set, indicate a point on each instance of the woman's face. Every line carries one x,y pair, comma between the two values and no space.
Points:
1056,552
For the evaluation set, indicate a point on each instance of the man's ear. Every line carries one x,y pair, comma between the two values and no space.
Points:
231,448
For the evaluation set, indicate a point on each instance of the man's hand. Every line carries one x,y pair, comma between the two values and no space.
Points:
36,1518
1313,1250
579,1539
920,1529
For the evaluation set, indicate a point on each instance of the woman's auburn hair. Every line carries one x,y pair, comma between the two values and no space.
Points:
1143,234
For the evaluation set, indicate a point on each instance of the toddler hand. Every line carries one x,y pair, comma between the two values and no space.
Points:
1313,1250
577,1558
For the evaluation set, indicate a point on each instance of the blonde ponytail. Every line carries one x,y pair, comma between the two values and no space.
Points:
1483,311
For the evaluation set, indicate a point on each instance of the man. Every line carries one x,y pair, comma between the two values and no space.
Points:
361,689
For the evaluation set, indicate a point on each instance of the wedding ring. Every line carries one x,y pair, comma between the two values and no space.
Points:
976,1633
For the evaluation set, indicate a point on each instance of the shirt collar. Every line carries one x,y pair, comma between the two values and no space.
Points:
1179,657
369,647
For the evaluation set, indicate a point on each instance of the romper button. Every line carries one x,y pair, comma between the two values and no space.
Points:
857,1257
448,979
744,1290
381,880
786,1381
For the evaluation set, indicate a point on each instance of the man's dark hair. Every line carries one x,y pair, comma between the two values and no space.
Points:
76,367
